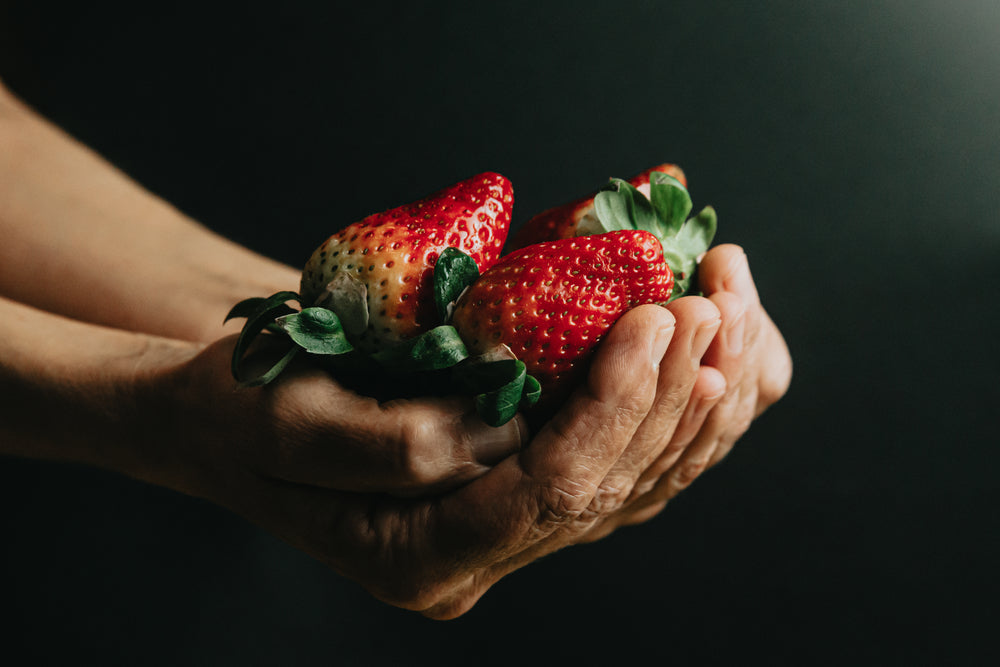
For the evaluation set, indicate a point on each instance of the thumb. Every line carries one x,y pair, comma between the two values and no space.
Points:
411,447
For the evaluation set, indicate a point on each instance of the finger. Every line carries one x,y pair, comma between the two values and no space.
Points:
535,503
332,437
725,268
727,272
559,481
706,393
732,414
728,415
697,323
775,366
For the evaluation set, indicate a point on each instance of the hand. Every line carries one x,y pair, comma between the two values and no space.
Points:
401,497
746,369
308,430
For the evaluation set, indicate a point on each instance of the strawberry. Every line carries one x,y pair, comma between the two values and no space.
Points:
656,201
551,303
562,222
376,274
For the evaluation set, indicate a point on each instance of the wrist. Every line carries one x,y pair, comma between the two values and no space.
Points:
74,390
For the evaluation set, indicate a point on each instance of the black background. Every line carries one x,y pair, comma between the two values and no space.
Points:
853,149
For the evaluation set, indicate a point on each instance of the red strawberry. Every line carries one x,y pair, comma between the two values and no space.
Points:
551,303
562,222
377,273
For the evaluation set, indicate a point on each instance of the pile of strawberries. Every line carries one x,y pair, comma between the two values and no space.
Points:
419,296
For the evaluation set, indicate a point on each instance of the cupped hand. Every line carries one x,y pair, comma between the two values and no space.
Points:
746,369
417,500
223,442
425,506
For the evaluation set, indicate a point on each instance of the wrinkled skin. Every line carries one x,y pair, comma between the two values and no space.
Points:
408,498
418,500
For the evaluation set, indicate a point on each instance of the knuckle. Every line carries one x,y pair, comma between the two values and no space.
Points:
643,487
673,400
686,472
560,502
418,459
633,399
630,413
610,496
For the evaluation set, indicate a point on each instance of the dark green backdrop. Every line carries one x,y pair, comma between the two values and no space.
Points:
853,148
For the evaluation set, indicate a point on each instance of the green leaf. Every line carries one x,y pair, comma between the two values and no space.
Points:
611,207
670,200
441,347
532,391
640,210
453,272
498,386
260,313
620,206
272,372
316,330
696,235
245,308
682,250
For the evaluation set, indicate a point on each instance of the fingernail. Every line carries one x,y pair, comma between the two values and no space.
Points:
492,444
734,334
660,344
703,338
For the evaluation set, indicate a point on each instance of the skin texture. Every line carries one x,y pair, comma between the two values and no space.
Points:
417,500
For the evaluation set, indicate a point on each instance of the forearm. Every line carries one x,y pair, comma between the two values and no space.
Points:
72,391
83,240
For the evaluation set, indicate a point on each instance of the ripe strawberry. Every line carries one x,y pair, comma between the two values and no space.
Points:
563,222
551,303
377,273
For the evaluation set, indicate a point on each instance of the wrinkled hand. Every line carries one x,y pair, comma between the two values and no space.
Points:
308,430
425,506
746,369
742,366
417,500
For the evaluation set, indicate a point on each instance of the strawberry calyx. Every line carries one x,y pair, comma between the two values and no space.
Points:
501,387
438,348
620,206
261,314
453,273
498,382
